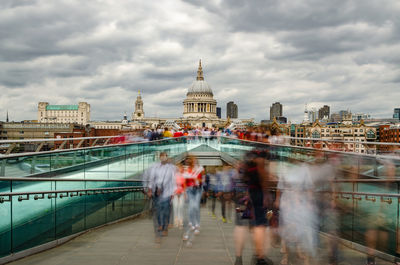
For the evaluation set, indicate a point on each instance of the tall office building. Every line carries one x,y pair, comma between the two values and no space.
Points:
312,115
396,113
231,110
344,113
219,112
324,112
275,110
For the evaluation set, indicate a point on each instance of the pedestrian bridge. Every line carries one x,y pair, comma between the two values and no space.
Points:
49,198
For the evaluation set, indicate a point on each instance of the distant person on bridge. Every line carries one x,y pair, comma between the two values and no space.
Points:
167,133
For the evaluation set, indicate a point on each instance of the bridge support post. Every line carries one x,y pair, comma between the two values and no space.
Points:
33,162
3,168
80,143
39,147
10,148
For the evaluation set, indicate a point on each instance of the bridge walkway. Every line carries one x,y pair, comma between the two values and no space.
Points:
132,242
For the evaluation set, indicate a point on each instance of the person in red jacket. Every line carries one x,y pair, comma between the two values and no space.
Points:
193,174
178,133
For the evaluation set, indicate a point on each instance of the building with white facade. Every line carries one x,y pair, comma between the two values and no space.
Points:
79,114
199,108
339,132
138,114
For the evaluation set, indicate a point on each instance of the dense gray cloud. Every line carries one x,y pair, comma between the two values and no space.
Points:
344,53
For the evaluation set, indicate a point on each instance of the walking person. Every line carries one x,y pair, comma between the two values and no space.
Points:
256,177
193,174
224,179
161,186
298,218
179,198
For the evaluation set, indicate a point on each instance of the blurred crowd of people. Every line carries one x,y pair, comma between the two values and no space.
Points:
282,205
259,134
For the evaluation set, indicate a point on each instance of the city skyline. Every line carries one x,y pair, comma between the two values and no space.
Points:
64,52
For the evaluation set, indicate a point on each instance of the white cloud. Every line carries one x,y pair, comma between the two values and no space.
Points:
254,53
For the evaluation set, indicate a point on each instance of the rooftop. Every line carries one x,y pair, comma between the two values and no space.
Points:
62,107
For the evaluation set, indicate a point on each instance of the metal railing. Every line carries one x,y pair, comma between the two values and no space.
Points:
370,147
58,143
38,212
365,147
23,196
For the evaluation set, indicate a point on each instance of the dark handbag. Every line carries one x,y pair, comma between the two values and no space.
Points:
157,192
244,208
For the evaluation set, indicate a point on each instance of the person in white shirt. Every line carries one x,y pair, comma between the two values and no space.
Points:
159,180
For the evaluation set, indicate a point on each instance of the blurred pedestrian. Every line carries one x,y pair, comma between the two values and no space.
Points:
161,186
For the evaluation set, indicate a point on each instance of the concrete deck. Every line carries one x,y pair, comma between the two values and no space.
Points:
133,242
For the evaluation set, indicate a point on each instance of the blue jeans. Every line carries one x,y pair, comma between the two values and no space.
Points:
194,197
163,208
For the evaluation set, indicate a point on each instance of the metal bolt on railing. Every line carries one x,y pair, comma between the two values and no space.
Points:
62,195
2,199
73,194
370,198
389,200
22,198
37,197
50,196
357,198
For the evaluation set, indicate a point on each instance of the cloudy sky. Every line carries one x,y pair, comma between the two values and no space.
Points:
344,53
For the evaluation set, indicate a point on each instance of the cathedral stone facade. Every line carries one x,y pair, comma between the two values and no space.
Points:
200,100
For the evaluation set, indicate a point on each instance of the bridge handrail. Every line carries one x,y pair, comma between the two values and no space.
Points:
191,137
110,190
56,139
80,148
118,136
340,141
65,179
379,156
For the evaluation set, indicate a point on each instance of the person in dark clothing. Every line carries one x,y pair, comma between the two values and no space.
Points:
255,176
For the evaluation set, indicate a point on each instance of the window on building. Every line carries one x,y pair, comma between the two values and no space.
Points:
361,130
355,130
370,134
322,130
316,134
21,132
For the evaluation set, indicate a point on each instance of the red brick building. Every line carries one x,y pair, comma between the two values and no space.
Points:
389,133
